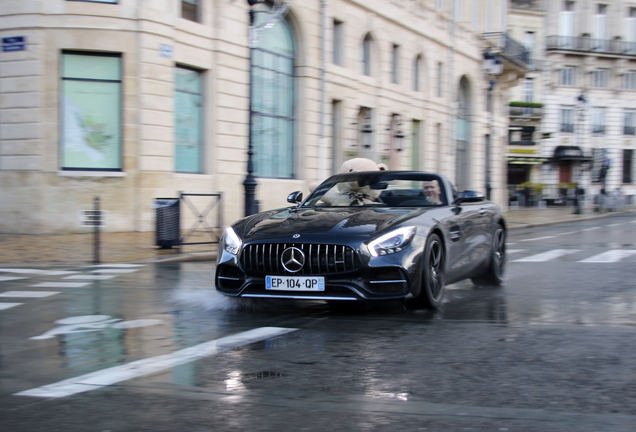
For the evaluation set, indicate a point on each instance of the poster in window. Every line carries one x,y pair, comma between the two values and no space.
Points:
91,125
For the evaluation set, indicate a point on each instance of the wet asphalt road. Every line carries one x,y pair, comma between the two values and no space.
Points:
554,349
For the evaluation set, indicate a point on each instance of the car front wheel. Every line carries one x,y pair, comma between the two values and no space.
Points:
433,277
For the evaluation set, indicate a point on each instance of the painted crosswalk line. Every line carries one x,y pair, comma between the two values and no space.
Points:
61,285
537,238
21,271
512,251
91,277
117,265
152,365
28,294
5,306
115,270
10,278
547,256
610,256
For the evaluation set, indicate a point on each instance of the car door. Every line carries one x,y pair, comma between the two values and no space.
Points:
464,242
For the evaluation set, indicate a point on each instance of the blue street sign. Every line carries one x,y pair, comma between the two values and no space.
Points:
13,43
165,50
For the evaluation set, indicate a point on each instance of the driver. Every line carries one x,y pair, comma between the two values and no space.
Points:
432,192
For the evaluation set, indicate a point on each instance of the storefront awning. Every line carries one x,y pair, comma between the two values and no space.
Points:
526,160
570,153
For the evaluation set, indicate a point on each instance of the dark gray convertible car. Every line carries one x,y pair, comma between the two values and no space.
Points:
379,235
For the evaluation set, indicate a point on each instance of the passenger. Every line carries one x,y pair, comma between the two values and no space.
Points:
432,192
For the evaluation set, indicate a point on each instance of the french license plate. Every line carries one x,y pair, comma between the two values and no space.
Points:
295,283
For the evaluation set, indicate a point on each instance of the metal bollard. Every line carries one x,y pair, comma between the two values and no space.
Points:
97,222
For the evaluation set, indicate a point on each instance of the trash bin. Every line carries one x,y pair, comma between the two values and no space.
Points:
168,221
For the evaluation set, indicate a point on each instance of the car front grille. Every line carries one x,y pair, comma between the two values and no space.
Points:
320,259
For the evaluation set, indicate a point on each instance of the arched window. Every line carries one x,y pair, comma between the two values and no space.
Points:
462,136
366,54
272,93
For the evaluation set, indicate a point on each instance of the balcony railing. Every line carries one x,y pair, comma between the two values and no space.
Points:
525,112
598,129
567,127
629,130
501,43
526,4
586,44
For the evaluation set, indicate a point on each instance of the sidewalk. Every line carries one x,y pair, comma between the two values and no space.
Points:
140,247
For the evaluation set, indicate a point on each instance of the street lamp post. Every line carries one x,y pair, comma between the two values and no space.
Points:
580,122
493,67
251,205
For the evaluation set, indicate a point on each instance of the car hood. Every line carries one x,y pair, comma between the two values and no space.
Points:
322,225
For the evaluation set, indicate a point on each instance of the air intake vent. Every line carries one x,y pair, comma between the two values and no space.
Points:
320,259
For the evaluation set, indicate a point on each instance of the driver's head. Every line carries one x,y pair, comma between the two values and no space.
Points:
431,188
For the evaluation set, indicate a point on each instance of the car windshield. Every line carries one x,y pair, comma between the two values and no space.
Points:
380,189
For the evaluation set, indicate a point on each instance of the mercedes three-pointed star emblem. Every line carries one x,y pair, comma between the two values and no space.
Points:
293,259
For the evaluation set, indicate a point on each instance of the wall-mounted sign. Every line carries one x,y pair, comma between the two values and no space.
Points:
14,43
525,151
165,50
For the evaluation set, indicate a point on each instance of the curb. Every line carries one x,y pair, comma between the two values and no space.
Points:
562,221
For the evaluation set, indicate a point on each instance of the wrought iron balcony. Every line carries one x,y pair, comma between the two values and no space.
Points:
508,48
586,44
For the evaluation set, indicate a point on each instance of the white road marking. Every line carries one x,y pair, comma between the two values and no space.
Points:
591,229
546,256
21,271
4,306
9,278
616,224
568,233
610,256
61,284
59,272
538,238
28,294
118,265
90,277
115,270
510,244
113,375
511,251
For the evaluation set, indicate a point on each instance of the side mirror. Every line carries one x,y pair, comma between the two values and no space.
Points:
469,196
295,197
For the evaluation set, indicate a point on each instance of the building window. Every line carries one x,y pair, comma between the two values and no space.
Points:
395,71
567,120
629,81
529,43
190,10
630,31
338,42
366,55
628,166
568,76
188,105
417,70
272,126
630,122
474,15
458,10
598,120
97,1
599,78
91,111
440,78
439,4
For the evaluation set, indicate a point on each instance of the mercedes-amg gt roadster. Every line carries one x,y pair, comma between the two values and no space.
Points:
366,236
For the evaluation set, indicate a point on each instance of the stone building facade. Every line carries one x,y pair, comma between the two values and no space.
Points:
590,96
131,100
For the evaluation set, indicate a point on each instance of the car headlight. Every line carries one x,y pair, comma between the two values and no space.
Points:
231,242
392,242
